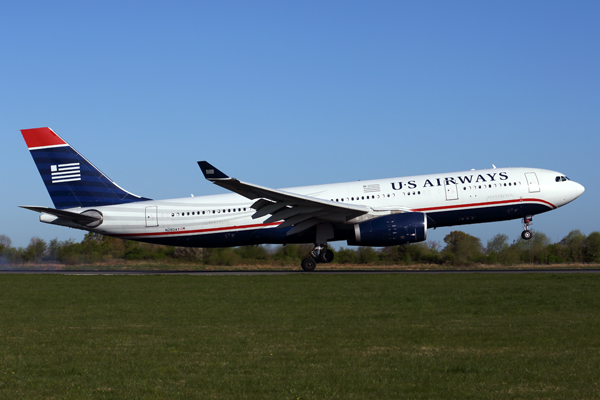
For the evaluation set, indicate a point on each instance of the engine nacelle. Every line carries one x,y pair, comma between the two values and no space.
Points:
391,230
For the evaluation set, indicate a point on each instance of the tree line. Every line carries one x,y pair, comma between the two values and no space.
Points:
459,249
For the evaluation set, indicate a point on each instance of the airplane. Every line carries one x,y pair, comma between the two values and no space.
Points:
380,212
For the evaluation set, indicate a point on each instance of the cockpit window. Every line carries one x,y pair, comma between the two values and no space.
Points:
562,179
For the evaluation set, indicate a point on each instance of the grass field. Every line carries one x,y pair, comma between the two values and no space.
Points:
300,336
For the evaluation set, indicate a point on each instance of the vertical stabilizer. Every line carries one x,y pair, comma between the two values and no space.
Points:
71,180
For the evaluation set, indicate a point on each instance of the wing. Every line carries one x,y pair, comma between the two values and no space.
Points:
297,210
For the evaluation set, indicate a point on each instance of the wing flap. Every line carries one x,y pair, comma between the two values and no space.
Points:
269,209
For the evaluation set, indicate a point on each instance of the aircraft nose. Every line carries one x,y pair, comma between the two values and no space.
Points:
577,190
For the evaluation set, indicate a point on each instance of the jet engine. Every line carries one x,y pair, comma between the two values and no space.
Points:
390,230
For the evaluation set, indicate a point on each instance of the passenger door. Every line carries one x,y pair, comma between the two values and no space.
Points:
151,216
532,182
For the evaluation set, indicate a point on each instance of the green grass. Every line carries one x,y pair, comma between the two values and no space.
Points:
300,336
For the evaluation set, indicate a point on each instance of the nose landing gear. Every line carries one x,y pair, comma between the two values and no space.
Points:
320,254
527,234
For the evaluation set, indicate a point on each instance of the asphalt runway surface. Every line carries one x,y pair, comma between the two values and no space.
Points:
295,272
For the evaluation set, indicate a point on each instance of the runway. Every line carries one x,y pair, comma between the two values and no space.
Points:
297,272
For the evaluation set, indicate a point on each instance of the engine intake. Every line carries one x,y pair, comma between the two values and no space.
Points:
391,230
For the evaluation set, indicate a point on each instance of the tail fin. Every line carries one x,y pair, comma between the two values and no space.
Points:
71,180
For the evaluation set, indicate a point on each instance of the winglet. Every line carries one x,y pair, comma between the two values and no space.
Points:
210,172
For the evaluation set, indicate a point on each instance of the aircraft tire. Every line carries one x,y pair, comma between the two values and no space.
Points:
326,256
309,264
526,235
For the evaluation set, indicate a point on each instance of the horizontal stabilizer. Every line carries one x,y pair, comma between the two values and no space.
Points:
90,218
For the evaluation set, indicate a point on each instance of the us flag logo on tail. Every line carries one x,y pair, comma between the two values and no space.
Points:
65,172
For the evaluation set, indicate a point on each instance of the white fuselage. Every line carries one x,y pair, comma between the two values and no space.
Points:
447,199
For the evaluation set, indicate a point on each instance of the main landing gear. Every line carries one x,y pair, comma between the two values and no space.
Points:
527,234
320,254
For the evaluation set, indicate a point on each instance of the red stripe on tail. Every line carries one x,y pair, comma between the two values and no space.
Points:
41,137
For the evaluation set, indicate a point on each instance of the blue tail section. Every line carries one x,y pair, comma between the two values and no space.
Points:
71,180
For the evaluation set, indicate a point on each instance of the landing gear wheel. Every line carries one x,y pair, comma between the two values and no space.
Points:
526,235
326,256
309,264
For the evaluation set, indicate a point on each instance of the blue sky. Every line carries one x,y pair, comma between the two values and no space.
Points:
297,93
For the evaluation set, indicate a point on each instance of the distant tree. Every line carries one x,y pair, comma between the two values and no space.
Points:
512,254
252,254
346,256
413,253
592,247
498,243
190,253
574,244
367,255
434,245
93,237
462,248
35,251
53,250
5,242
287,254
222,256
536,249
